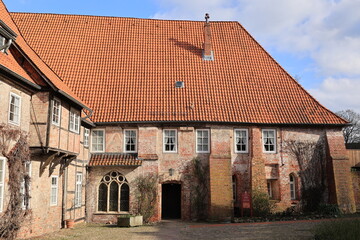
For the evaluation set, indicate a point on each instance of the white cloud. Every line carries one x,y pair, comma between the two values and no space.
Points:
338,94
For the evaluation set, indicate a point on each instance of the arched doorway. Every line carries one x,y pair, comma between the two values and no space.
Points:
171,201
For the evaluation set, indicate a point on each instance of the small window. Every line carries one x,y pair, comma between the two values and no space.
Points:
86,137
78,190
74,121
292,187
98,141
269,140
241,140
202,141
25,199
2,180
270,189
14,109
179,84
56,112
54,191
170,140
130,140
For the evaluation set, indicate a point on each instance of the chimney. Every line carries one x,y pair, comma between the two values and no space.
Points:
208,54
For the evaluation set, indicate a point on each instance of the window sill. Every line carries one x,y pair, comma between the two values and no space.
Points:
14,123
111,213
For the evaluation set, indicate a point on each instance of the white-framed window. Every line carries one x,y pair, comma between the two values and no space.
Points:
130,141
74,124
202,141
25,200
86,137
170,140
292,187
78,189
54,190
98,140
269,140
241,140
2,181
14,109
56,112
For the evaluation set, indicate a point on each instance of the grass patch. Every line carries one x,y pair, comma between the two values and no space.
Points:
338,230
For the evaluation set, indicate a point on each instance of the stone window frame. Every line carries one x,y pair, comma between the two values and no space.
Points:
86,137
53,112
78,189
263,140
18,114
74,120
92,140
25,204
108,179
208,141
54,194
175,143
2,181
135,143
246,139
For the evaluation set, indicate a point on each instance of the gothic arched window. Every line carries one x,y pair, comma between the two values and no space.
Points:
113,194
292,186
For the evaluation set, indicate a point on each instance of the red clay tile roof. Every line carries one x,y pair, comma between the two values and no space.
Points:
113,159
29,52
9,62
126,70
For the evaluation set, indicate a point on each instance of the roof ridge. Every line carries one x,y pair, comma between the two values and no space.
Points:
134,18
287,73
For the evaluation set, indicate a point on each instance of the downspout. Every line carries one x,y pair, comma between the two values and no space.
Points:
64,197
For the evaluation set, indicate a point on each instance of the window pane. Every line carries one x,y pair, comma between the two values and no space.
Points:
102,203
114,196
124,198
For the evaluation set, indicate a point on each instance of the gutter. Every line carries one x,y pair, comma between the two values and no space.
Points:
223,122
18,77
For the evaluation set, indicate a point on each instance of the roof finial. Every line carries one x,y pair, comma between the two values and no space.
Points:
207,17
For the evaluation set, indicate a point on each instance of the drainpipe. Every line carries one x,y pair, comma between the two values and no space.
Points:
64,197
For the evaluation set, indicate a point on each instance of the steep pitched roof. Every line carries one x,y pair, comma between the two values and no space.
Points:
126,69
10,63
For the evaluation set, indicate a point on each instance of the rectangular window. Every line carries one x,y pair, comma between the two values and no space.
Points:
98,141
14,109
25,200
78,189
54,191
74,121
130,140
241,140
202,141
56,112
170,140
269,140
269,188
2,180
86,137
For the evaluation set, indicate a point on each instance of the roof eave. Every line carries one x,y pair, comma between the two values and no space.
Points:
18,77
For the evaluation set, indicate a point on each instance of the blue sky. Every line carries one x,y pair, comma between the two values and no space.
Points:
316,41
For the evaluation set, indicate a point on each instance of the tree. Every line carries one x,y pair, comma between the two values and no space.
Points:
351,132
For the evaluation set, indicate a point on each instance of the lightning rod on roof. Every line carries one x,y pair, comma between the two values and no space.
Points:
207,17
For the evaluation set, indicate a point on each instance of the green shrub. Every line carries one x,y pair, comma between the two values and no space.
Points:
329,209
262,205
338,230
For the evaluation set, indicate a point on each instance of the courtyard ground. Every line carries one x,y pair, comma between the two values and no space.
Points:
192,231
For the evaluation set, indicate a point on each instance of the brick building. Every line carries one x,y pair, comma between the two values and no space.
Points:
158,94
